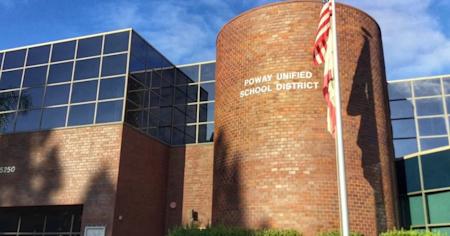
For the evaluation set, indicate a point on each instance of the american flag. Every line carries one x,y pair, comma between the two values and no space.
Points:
323,54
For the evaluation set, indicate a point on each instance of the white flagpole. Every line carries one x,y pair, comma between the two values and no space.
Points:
339,137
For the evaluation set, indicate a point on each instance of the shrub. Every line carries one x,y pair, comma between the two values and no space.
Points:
410,233
338,233
227,231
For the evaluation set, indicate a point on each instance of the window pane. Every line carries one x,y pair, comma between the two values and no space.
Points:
63,51
14,59
177,135
137,118
208,72
404,147
56,95
180,97
81,114
404,128
8,220
32,222
192,93
191,72
117,42
1,60
31,98
206,112
399,90
207,91
28,120
8,100
408,175
179,115
191,114
11,79
84,91
435,170
439,207
416,210
58,221
89,47
190,133
430,143
205,133
109,111
87,69
6,126
114,65
442,230
446,85
429,106
432,126
166,116
35,76
427,87
54,117
60,72
164,133
401,109
137,97
38,55
112,88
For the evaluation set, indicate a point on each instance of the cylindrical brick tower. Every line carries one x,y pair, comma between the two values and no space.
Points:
275,163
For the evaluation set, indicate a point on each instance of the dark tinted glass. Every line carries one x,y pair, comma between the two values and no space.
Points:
109,111
401,109
404,147
9,220
408,175
177,135
429,106
38,55
117,42
35,76
114,65
206,112
427,87
28,120
432,126
165,116
191,72
54,117
137,118
84,91
63,51
180,96
58,221
179,117
435,170
8,100
32,222
207,91
14,59
137,97
191,114
31,98
166,98
56,95
164,133
60,72
192,92
208,72
81,114
89,47
11,79
404,128
190,133
206,133
111,88
86,69
430,143
6,126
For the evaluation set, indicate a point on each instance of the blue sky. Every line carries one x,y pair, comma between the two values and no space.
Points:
416,33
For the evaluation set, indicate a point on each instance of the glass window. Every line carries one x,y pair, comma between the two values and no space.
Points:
404,147
401,109
153,117
180,97
87,69
166,116
206,133
446,85
207,91
6,126
81,114
28,120
14,59
408,175
11,79
31,98
190,132
61,72
416,210
404,128
63,51
114,65
208,72
168,77
435,170
191,72
137,97
206,112
112,88
137,118
191,114
192,92
439,207
432,126
8,100
166,98
89,47
56,95
109,111
430,143
54,117
1,60
177,135
399,90
38,55
84,91
35,76
427,87
179,117
164,133
117,42
181,78
429,106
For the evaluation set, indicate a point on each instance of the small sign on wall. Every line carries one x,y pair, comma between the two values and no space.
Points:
95,231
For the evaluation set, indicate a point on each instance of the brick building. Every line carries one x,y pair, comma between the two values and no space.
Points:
103,134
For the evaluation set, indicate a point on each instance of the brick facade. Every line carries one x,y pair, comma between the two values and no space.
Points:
274,160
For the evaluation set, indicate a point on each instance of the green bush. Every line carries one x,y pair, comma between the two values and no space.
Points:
226,231
338,233
410,233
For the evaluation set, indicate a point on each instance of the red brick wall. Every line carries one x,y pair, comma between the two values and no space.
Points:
64,167
141,195
274,160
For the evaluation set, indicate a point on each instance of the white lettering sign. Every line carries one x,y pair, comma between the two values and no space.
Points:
4,170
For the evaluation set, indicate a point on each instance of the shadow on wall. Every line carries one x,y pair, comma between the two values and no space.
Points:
362,103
